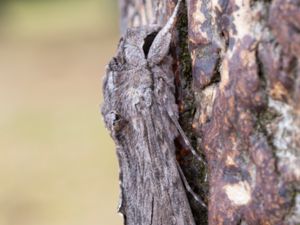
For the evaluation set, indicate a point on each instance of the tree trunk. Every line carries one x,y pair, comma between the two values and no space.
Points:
238,92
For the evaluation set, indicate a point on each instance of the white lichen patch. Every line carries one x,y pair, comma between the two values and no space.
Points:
286,139
246,23
294,217
198,19
242,18
239,193
206,100
224,70
229,161
198,16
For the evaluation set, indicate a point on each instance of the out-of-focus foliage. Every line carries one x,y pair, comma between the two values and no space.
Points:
57,163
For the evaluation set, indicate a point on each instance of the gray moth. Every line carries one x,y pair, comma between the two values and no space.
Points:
141,114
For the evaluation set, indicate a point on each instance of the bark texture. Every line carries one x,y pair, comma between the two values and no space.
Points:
238,91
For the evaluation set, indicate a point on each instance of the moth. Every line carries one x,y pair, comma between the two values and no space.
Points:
142,116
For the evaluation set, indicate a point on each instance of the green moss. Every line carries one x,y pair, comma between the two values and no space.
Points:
195,172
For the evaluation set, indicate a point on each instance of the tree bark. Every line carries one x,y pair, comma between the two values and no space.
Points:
238,92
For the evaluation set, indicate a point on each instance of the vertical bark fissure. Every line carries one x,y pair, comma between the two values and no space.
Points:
194,171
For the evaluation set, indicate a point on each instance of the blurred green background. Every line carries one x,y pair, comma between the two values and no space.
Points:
57,162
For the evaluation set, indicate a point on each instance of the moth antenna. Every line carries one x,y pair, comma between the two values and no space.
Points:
188,187
171,21
161,44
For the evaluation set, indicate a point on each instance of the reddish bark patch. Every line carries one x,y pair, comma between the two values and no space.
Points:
285,22
203,46
242,167
243,179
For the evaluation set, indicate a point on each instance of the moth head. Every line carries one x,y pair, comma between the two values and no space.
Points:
137,44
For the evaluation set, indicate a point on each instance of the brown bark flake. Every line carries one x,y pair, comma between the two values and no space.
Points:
243,178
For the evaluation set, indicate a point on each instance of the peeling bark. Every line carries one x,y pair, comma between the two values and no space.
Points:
238,91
